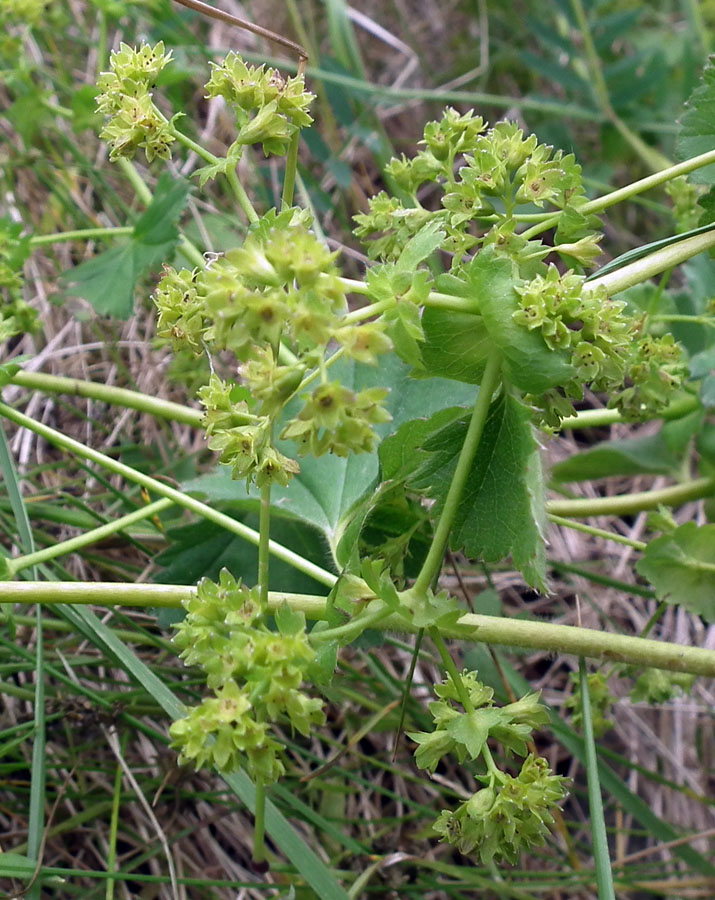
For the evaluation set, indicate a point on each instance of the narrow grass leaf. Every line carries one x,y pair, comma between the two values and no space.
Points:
604,876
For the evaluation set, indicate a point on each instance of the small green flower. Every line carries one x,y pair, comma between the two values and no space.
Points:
181,310
501,820
125,96
269,109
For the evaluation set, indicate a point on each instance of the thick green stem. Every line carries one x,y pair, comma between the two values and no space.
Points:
433,562
89,537
107,393
510,632
593,418
642,269
633,503
158,487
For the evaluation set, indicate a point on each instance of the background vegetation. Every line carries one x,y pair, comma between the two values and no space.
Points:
606,80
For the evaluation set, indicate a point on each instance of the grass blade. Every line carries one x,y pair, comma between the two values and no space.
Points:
601,855
36,813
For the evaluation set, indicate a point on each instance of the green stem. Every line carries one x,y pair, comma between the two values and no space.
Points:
598,532
66,443
434,300
593,418
351,630
184,139
241,195
602,203
264,530
83,540
290,170
642,269
451,669
433,561
80,234
492,767
212,160
604,878
107,393
192,254
509,632
633,503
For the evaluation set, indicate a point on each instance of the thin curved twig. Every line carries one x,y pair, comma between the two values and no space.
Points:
211,11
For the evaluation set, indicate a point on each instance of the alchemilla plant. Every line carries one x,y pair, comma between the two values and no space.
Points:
479,291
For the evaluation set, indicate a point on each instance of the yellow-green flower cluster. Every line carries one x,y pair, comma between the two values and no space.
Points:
281,287
255,675
498,822
125,96
269,109
502,170
509,814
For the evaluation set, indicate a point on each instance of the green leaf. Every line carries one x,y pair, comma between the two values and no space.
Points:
456,345
109,279
471,730
528,362
649,455
420,247
501,513
289,621
697,126
681,568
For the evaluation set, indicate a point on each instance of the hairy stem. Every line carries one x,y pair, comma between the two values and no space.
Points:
107,393
89,537
642,269
66,443
633,503
510,632
433,561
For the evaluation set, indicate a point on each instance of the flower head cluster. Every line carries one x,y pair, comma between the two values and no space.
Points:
499,821
604,345
281,287
509,814
269,109
656,369
502,169
337,420
125,96
255,675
